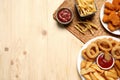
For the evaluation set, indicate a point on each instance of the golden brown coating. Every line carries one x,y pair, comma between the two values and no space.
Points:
116,52
114,18
116,4
110,6
106,18
112,15
107,11
111,27
92,50
118,14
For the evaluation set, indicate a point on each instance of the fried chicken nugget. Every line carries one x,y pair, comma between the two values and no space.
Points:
105,18
114,18
110,6
111,27
118,14
107,11
116,4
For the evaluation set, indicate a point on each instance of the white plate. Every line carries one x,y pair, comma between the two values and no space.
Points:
117,32
79,59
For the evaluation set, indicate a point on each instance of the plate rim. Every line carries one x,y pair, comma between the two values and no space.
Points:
84,46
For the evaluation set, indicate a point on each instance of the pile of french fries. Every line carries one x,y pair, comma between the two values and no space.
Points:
90,71
82,27
86,7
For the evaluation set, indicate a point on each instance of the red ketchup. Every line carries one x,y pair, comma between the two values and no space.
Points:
64,15
103,63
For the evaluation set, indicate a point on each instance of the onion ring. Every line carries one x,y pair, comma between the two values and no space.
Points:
92,50
104,44
113,42
116,52
85,56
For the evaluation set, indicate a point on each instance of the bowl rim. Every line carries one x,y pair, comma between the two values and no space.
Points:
72,15
102,67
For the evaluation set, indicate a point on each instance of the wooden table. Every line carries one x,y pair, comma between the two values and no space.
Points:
32,45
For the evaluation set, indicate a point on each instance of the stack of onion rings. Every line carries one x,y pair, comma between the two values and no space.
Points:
102,45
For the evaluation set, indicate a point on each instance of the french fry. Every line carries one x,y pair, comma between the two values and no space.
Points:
94,66
83,64
87,77
98,76
117,62
117,70
88,64
110,74
86,71
109,78
93,76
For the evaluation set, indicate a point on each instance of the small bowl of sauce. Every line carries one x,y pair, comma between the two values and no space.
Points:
103,63
64,15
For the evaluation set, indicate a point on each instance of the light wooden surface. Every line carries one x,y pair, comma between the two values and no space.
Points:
32,45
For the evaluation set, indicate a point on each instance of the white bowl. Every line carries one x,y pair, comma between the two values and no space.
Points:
101,66
65,23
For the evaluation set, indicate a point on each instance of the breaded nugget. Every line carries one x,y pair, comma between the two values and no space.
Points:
117,7
105,18
119,13
114,18
111,27
107,11
116,4
109,5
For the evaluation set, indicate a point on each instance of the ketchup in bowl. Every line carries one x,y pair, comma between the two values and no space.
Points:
64,16
103,63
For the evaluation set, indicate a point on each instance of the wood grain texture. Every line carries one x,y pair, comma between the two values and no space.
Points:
32,45
95,19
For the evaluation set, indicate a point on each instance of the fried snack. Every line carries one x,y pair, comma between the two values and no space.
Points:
113,42
93,76
105,18
90,70
111,74
87,77
117,63
114,18
88,64
110,6
94,66
111,27
92,51
85,26
85,56
118,14
104,44
83,64
86,71
107,11
117,70
116,4
116,52
86,7
98,76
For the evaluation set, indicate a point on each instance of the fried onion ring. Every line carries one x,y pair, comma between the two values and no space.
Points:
113,42
92,50
85,56
104,44
116,52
